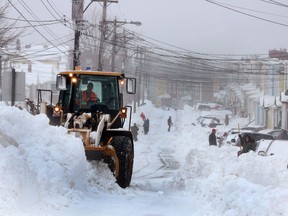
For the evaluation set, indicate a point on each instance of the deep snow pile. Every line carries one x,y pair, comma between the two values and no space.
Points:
214,178
40,165
44,171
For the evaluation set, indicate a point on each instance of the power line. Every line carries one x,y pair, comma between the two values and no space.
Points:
35,28
250,15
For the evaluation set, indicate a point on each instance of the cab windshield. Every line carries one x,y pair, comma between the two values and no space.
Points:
90,92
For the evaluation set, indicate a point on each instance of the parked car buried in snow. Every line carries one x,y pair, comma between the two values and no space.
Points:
275,148
275,133
229,137
208,121
256,136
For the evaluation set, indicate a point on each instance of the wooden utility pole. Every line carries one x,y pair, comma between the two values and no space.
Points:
13,87
103,25
138,71
117,24
0,76
114,42
77,16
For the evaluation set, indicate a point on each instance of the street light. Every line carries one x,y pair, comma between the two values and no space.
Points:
136,23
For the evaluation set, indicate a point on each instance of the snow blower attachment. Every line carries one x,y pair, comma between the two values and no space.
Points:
90,106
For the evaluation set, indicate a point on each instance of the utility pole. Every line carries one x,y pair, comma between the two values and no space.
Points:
114,41
138,71
141,57
77,15
0,76
76,52
117,24
143,62
103,25
13,87
79,23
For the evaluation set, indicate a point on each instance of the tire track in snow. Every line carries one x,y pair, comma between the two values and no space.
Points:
150,169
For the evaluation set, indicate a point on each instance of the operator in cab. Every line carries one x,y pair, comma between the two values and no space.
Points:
88,94
87,97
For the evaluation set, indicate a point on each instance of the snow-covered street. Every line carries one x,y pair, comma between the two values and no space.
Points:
44,172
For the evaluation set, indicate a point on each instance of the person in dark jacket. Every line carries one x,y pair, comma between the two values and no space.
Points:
169,121
226,120
212,138
146,126
134,131
247,144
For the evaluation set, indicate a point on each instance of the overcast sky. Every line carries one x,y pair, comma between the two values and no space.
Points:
196,25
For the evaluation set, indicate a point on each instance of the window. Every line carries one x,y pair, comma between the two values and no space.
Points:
105,87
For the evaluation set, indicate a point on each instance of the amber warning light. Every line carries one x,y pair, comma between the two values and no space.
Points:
123,112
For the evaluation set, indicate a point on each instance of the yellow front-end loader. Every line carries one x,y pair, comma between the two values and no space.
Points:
99,120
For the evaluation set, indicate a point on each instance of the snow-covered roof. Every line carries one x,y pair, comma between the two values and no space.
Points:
187,97
268,101
255,96
277,101
165,96
44,62
253,91
247,87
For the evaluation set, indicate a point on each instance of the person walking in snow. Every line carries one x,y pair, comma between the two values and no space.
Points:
169,121
226,120
143,116
146,126
134,131
212,138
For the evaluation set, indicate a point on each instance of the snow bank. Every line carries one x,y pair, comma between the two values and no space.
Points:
44,171
40,164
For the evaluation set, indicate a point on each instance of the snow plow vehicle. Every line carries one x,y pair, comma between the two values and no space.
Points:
90,106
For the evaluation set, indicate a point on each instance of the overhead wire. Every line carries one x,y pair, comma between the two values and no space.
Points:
211,59
52,9
187,60
247,14
106,41
26,7
275,3
34,27
29,26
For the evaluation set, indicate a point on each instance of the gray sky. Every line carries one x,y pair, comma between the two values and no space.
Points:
204,27
196,25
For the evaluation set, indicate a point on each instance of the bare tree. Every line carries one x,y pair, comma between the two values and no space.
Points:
8,31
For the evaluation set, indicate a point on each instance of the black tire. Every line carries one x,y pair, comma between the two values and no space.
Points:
125,153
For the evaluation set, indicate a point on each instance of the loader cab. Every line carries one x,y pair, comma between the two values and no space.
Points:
106,88
106,85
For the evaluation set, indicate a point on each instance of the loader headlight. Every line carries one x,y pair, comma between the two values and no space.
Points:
123,112
74,79
57,111
122,81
